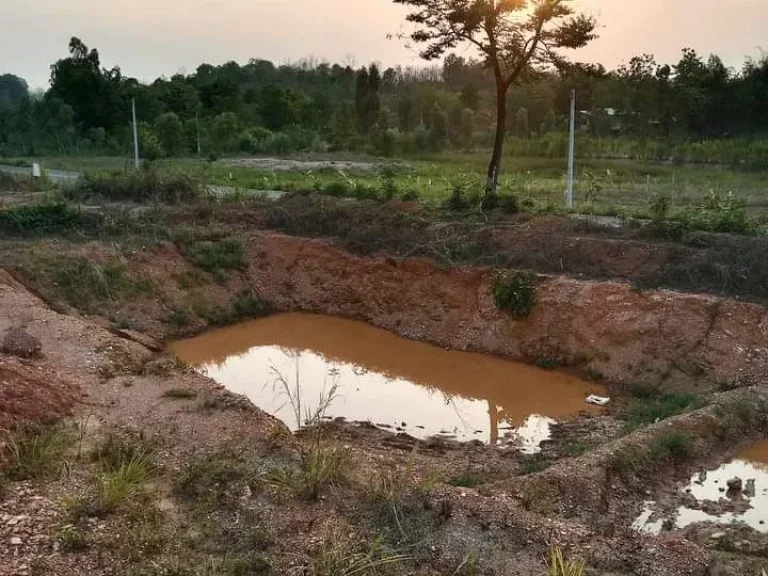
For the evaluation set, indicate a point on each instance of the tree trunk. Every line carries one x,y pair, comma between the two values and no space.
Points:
492,183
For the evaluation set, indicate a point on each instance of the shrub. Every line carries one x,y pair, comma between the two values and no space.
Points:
515,294
217,257
339,189
143,186
457,201
40,219
672,446
410,195
627,462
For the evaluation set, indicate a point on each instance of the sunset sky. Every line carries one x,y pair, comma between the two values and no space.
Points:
150,38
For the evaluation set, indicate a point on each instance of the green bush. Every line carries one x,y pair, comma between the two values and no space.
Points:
339,189
217,257
516,293
39,219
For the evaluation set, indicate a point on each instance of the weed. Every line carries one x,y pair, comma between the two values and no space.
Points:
649,409
673,446
410,195
546,363
339,189
178,317
115,450
71,538
246,304
467,567
659,205
180,393
335,559
217,257
248,564
557,565
209,477
35,454
457,201
466,480
627,462
578,447
516,293
533,464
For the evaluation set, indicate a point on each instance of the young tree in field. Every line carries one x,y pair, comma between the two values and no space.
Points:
513,36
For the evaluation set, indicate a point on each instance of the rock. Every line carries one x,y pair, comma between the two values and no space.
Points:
749,490
19,342
16,541
734,484
143,339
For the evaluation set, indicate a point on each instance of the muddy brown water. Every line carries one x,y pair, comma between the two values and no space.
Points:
710,486
392,382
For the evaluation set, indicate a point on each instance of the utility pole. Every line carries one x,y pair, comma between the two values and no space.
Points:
135,135
197,128
571,152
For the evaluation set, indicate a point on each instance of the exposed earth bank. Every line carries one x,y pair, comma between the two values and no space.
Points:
220,495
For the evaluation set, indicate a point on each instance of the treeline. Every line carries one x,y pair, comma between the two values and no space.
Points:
315,106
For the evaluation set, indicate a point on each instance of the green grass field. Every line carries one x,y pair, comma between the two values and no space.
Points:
602,186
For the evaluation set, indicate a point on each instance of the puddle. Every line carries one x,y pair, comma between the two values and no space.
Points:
392,382
710,500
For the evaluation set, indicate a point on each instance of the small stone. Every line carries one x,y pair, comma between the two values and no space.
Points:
735,484
18,342
16,541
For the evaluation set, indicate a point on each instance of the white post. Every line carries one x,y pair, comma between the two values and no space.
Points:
135,135
571,152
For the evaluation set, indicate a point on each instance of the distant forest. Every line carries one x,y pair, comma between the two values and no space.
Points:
261,107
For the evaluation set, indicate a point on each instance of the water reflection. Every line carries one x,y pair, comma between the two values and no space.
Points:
711,500
392,382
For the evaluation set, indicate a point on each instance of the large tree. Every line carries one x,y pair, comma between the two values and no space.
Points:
513,37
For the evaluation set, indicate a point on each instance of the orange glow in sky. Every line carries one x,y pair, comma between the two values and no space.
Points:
149,38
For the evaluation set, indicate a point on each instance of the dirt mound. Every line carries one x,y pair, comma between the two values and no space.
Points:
29,394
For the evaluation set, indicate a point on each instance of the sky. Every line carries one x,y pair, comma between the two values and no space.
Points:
151,38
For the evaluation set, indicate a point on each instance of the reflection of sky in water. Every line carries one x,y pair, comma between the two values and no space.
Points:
712,485
365,395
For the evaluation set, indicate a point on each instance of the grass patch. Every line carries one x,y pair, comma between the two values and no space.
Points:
37,454
673,446
466,480
180,393
321,466
245,304
178,317
578,447
533,464
83,283
516,293
217,257
209,478
336,559
558,565
653,407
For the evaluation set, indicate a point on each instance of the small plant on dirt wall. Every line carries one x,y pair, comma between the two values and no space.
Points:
515,293
558,565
